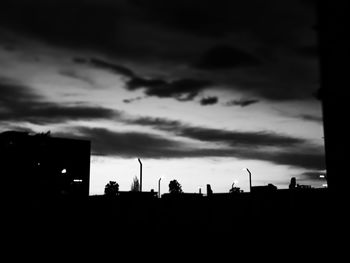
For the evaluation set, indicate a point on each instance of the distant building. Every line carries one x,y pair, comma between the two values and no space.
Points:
303,186
293,185
43,166
264,189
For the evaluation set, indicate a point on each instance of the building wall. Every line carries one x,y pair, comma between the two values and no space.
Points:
43,166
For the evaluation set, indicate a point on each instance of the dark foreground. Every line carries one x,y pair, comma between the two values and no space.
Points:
242,225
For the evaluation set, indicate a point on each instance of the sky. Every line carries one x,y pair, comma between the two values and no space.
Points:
198,90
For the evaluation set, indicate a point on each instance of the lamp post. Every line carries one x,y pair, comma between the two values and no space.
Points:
159,186
250,179
140,174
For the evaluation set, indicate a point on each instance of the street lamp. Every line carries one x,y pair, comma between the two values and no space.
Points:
250,178
140,174
324,176
159,186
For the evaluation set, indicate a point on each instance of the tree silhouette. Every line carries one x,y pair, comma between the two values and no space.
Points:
112,188
175,187
209,191
135,186
293,183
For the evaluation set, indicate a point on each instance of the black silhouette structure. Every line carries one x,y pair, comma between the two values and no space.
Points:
42,166
264,188
333,20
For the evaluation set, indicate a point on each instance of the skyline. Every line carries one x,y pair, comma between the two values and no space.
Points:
197,90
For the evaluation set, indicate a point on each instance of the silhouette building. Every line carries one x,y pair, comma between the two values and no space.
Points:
41,166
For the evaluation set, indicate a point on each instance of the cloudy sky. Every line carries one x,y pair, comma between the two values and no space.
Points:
197,89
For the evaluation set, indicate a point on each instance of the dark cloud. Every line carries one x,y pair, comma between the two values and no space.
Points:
231,138
181,89
129,144
303,157
18,103
308,117
245,45
105,65
112,67
290,82
263,145
132,100
237,138
104,25
209,101
71,73
80,60
270,20
241,102
9,48
204,18
157,123
80,24
145,145
13,94
225,57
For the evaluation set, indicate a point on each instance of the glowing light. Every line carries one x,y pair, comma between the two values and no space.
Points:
324,185
64,171
77,180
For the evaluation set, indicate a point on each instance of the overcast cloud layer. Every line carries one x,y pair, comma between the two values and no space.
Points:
121,73
253,46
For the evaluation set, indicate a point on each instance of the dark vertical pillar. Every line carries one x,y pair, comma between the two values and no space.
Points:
334,43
